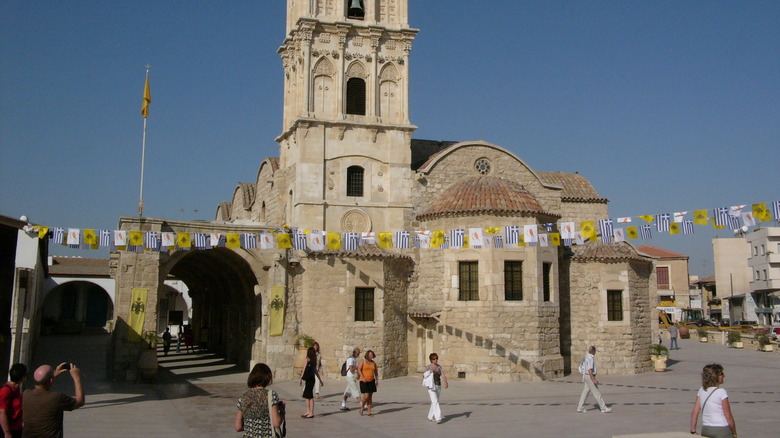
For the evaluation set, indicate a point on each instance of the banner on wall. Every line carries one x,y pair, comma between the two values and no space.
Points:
137,314
276,311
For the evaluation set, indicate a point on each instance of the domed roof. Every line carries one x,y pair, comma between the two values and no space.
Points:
480,195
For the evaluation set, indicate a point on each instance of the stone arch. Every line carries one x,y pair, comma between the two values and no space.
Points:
323,88
223,211
390,94
76,305
226,311
356,70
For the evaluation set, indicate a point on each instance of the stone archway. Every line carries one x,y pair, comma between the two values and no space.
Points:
74,306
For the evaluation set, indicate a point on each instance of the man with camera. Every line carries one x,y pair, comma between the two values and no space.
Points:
43,408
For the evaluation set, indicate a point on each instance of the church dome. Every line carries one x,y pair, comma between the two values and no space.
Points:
482,195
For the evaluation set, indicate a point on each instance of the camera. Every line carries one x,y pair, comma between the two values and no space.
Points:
67,366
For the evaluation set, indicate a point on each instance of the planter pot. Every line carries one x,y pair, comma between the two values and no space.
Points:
684,332
737,345
703,340
767,347
659,362
299,362
147,364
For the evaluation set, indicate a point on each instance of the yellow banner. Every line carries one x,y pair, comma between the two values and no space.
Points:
137,314
276,311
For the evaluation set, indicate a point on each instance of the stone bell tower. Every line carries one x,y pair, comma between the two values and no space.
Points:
345,146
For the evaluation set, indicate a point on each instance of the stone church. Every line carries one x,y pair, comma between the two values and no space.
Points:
348,163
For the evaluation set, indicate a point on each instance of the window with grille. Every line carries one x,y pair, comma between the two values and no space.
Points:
547,280
364,304
662,277
614,305
468,279
356,96
513,280
354,181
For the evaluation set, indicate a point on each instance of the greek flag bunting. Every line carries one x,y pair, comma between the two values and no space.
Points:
299,241
59,235
446,243
776,210
605,226
350,241
721,216
498,241
199,240
733,222
688,227
249,240
646,233
105,238
456,238
401,239
512,234
152,241
662,222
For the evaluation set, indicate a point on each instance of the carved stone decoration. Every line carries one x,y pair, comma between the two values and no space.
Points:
356,221
357,41
334,54
330,183
324,68
389,73
356,70
482,166
340,130
325,37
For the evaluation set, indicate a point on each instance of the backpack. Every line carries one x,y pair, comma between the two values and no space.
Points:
344,368
582,366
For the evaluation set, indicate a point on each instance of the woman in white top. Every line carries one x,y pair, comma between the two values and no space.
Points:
713,403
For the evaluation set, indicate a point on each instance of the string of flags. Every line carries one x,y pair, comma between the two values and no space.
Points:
548,234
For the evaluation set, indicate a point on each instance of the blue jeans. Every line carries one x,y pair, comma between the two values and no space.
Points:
674,344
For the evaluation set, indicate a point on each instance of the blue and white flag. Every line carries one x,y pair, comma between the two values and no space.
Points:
446,243
645,232
105,238
721,216
58,235
512,235
249,240
401,239
733,223
605,226
688,227
299,241
549,226
152,240
662,222
776,210
456,238
498,241
350,241
199,240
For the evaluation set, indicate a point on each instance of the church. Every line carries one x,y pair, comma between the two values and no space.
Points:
493,307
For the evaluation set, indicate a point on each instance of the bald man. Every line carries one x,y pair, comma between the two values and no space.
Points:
43,408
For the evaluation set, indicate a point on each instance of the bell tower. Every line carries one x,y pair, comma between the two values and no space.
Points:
345,146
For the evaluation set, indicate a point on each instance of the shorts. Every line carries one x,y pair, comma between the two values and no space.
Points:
367,387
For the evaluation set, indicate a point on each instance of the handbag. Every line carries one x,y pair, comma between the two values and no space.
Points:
308,372
281,431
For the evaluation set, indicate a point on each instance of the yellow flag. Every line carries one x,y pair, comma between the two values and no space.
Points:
232,240
437,238
761,213
493,230
700,217
647,218
587,229
135,238
632,233
276,311
716,226
90,238
42,232
385,240
674,228
334,240
137,314
283,240
555,239
147,98
465,240
183,240
521,240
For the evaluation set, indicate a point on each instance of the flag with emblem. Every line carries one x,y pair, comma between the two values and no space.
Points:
135,241
761,213
385,240
674,228
748,219
266,240
632,233
317,240
688,227
334,240
587,229
543,240
619,235
367,239
624,220
736,210
456,238
646,232
137,313
679,216
647,218
232,240
437,238
555,239
276,307
89,237
700,217
579,239
283,241
74,236
215,239
492,230
475,237
183,241
605,226
120,238
424,238
512,235
168,239
529,235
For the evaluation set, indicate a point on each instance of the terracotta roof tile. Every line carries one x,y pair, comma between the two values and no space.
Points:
365,251
576,188
483,194
247,193
607,253
78,266
660,252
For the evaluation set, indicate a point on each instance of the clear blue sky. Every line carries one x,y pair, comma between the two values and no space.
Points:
663,105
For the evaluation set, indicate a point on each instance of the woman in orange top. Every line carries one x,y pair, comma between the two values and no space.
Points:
369,380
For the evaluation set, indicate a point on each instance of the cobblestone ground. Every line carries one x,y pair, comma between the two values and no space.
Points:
195,395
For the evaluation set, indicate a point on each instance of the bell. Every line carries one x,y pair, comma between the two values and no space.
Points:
355,9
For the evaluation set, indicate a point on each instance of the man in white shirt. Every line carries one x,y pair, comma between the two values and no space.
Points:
352,383
588,371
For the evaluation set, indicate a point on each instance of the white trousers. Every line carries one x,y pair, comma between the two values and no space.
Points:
590,387
353,388
434,413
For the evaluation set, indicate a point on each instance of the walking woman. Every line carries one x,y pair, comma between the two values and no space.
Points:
309,375
318,364
254,417
713,403
369,380
435,372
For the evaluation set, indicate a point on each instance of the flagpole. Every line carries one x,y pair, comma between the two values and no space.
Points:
145,113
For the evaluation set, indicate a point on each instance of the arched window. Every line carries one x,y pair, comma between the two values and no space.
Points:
356,96
354,181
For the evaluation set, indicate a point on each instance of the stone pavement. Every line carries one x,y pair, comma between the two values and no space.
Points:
195,396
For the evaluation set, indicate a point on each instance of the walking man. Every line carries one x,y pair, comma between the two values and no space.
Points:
43,408
673,332
353,388
11,402
588,370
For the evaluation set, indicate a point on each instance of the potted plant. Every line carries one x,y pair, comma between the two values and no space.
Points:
763,343
735,339
304,342
702,332
147,362
659,354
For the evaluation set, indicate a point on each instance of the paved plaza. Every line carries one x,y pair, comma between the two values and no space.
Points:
195,396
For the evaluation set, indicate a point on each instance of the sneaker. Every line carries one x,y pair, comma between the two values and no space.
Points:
606,411
438,421
343,408
579,411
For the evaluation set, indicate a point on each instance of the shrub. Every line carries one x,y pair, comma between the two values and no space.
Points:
659,350
762,340
306,341
702,332
734,337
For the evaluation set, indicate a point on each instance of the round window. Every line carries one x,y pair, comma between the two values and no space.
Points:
482,166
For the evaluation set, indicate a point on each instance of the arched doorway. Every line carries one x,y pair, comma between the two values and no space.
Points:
225,308
77,305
